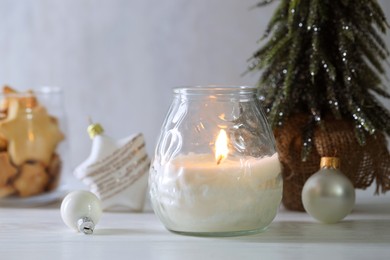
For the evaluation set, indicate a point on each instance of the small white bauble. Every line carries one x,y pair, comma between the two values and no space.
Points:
328,195
81,210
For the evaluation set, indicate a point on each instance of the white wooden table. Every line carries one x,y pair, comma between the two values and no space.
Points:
40,234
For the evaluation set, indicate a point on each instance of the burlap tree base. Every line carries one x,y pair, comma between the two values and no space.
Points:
361,164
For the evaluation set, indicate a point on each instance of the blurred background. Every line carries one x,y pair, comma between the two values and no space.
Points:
117,60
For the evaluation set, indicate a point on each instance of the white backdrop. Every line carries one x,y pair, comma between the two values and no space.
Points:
117,60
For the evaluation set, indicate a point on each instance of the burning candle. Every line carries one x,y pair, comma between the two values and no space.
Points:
216,170
220,193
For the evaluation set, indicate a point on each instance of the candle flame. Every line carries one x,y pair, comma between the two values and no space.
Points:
221,146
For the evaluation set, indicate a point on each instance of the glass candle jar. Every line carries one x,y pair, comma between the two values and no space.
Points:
32,146
215,170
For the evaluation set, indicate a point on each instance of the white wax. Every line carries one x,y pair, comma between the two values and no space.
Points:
192,193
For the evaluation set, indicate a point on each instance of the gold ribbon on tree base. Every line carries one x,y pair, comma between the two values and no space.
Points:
361,164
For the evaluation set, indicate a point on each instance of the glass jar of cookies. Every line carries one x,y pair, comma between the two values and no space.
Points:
32,145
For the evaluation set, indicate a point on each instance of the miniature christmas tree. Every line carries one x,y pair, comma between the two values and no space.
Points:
324,59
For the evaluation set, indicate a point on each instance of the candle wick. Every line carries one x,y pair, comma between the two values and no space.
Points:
219,159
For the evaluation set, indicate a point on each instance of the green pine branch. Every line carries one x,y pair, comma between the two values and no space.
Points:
324,57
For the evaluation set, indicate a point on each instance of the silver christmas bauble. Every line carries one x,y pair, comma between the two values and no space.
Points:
328,195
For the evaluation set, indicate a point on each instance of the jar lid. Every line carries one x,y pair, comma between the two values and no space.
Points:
330,162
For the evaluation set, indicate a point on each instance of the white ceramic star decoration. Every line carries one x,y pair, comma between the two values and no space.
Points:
116,170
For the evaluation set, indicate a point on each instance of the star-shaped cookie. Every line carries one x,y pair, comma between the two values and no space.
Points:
3,143
32,133
32,180
7,170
